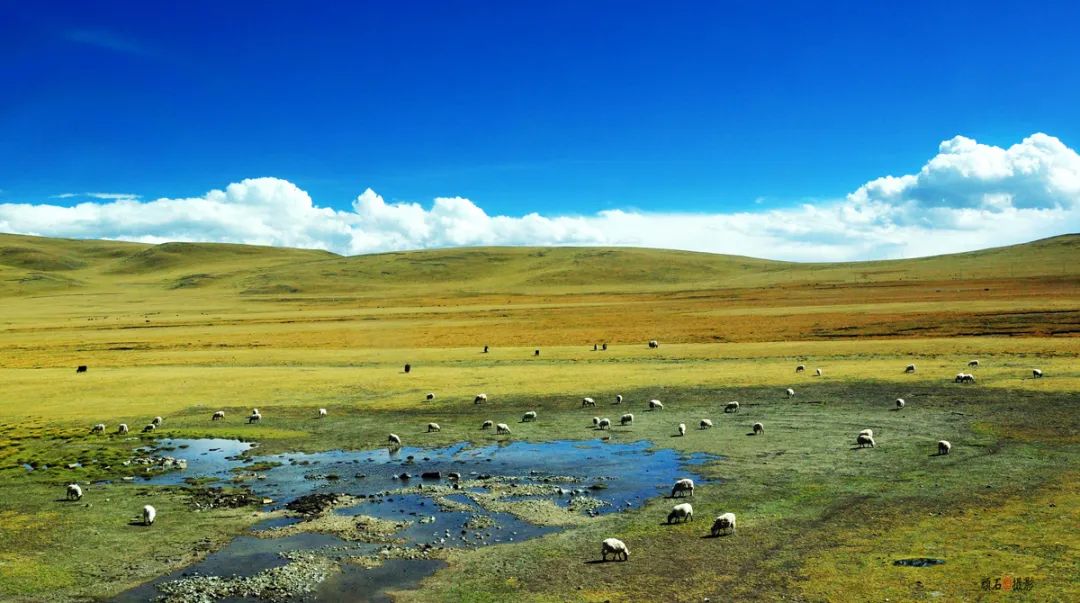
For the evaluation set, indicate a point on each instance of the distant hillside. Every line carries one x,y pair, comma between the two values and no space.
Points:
32,265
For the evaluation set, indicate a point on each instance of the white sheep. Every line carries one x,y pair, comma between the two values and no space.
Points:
99,428
1036,374
150,427
900,403
393,439
683,486
723,522
74,492
867,432
595,421
122,429
433,427
656,405
627,419
864,440
218,415
616,547
682,429
731,407
487,425
817,372
618,398
430,396
528,417
944,447
973,363
705,424
759,429
800,368
604,423
910,368
964,378
149,514
502,428
681,512
587,402
654,343
480,398
322,412
254,417
157,421
790,392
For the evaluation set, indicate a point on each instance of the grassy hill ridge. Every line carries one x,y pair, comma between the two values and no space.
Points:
33,264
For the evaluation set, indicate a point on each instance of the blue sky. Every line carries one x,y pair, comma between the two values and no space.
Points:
559,108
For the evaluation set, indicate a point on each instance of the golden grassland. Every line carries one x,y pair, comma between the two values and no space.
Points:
181,330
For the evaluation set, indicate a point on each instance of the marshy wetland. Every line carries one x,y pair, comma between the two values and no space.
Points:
289,332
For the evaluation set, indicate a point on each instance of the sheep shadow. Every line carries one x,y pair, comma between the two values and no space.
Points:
860,447
595,561
66,500
138,522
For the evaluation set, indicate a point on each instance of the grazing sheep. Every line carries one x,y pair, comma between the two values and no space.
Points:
393,439
596,347
157,421
759,429
150,427
485,349
122,429
944,447
99,428
682,429
616,547
1036,374
218,415
480,398
867,432
683,486
910,368
604,423
800,368
681,511
74,492
430,396
587,402
654,343
618,399
900,403
973,363
80,369
656,405
964,378
731,407
627,419
433,427
487,425
536,352
502,428
595,421
817,372
790,392
529,417
322,412
604,347
724,522
254,417
149,514
864,440
705,424
408,368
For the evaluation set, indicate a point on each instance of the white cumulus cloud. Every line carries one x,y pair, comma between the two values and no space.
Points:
968,196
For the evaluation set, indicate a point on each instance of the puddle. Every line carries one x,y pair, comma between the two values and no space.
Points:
919,562
562,479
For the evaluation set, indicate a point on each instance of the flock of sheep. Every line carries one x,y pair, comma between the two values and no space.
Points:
681,512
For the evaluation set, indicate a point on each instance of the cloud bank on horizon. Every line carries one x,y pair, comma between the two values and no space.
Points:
969,196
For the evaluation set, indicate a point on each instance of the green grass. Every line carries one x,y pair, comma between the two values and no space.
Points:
183,330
